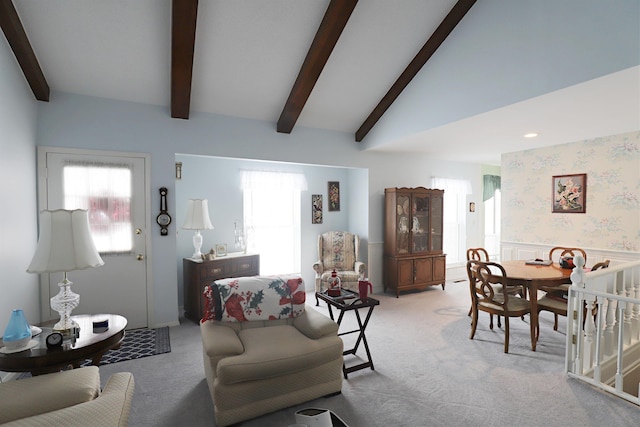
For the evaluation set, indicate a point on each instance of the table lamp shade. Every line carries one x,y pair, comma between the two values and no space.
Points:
65,243
197,215
197,219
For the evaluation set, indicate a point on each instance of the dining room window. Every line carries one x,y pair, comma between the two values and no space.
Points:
454,217
491,196
492,226
272,218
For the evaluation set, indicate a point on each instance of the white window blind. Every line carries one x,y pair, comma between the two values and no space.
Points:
492,215
454,217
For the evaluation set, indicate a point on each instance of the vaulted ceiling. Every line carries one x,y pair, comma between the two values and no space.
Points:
331,64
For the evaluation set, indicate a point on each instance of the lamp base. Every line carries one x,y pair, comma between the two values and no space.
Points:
197,244
64,303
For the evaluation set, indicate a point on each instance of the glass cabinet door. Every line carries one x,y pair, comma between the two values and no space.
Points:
436,223
403,219
420,224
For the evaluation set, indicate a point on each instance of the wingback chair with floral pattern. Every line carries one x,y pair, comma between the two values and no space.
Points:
339,250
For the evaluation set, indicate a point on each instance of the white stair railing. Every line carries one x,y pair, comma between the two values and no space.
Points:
604,349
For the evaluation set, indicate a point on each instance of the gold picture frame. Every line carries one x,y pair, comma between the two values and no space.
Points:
221,249
569,193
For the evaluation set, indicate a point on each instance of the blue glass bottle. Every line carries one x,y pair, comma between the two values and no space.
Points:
18,333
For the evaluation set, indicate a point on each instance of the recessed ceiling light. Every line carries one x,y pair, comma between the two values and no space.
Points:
530,135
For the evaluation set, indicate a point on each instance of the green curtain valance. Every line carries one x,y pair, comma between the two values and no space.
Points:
490,183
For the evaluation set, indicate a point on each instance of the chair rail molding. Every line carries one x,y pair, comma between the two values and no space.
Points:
525,250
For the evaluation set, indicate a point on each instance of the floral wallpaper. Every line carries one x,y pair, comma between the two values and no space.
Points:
612,218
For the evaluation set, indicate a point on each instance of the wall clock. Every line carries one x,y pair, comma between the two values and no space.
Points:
163,219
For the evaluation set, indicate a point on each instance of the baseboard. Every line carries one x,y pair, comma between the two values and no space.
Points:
457,273
5,377
162,325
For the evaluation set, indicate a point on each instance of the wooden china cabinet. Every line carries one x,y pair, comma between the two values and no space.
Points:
413,257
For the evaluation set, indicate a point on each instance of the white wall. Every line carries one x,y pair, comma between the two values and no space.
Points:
225,204
612,218
85,122
18,216
529,49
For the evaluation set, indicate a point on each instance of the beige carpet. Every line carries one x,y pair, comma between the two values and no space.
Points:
428,373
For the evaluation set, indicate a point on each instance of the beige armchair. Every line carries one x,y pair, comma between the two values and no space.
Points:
67,398
267,352
339,250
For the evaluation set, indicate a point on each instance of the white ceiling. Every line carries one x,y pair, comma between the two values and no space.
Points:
248,54
604,106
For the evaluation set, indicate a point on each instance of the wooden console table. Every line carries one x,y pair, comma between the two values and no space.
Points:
197,274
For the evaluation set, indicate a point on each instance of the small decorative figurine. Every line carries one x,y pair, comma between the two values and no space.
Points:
334,285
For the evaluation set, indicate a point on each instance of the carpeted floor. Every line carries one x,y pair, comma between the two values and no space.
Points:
427,373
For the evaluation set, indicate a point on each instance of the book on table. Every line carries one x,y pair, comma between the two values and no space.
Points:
538,261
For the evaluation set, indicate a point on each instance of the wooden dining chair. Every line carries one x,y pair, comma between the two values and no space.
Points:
560,251
481,254
477,254
557,303
599,265
489,294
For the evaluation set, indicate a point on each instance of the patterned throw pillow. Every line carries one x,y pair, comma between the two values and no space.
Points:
254,298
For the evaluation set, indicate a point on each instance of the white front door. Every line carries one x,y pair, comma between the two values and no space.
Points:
113,187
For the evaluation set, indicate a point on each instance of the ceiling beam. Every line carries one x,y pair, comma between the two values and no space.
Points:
437,38
334,21
19,42
183,41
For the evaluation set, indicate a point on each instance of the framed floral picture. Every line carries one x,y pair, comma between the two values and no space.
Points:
334,195
570,193
316,209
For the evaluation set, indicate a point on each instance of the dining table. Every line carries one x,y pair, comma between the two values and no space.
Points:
535,277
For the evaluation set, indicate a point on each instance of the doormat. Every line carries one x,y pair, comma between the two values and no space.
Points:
138,343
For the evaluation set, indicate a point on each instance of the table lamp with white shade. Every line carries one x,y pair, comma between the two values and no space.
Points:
65,245
197,219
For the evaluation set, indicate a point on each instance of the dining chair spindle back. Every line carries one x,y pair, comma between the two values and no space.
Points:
557,303
489,293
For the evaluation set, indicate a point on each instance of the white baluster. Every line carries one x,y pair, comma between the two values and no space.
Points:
574,325
589,333
619,376
626,291
608,331
635,318
599,341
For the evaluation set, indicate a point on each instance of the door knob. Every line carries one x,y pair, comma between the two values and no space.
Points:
138,231
140,257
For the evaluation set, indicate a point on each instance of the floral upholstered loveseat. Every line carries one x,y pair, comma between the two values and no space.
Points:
263,349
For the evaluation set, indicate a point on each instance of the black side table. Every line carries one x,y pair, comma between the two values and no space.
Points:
347,301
